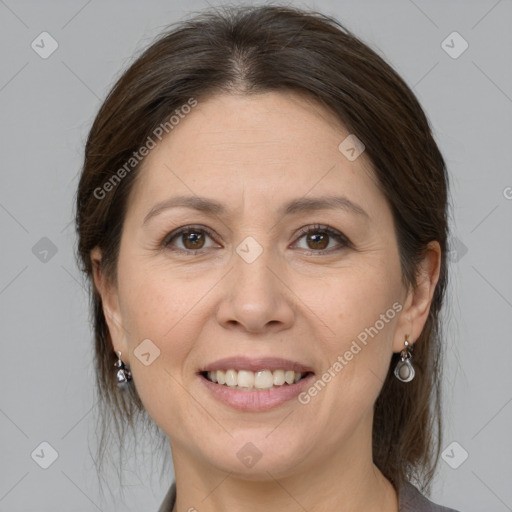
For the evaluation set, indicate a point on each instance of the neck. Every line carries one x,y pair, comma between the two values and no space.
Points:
347,482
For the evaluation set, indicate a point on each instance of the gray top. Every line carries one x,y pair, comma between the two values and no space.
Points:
409,500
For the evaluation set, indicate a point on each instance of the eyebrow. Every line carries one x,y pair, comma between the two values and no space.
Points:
301,205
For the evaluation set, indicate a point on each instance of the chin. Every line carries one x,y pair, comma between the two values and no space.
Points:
258,459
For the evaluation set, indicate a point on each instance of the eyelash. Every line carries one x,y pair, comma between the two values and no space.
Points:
317,228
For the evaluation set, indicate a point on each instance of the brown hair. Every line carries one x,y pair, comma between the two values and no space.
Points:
275,48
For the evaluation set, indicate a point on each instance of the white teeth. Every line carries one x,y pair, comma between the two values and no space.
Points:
278,377
247,380
231,378
263,379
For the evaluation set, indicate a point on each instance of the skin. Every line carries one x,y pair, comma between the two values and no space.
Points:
253,154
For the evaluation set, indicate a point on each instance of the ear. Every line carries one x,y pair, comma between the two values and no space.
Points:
110,304
417,303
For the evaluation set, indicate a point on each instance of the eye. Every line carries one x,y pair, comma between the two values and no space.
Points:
318,238
192,237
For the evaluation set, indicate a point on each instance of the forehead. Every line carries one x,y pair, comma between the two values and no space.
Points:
260,147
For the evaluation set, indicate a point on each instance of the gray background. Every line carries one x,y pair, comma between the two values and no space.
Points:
47,107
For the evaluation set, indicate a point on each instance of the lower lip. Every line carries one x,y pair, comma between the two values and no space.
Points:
256,400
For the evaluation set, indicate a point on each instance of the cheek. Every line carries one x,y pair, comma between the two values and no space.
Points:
359,353
362,312
359,297
154,300
151,311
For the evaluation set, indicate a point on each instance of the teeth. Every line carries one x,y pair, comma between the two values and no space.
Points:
231,378
278,377
247,380
262,379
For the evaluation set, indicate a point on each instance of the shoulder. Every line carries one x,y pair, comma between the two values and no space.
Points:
410,499
168,503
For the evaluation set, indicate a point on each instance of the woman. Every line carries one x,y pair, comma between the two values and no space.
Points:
262,214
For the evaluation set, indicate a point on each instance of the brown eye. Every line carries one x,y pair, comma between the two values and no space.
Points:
319,237
192,240
317,241
188,238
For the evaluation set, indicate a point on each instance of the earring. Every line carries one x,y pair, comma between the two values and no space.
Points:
123,374
404,370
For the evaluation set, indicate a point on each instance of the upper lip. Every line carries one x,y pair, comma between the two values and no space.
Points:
255,364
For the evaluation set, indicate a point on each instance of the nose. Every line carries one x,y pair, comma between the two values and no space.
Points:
255,296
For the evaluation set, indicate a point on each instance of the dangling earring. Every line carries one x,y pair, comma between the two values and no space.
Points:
123,374
404,370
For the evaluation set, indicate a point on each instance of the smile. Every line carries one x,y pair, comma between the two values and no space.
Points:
262,380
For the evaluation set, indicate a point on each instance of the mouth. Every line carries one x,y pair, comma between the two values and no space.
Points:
262,380
255,384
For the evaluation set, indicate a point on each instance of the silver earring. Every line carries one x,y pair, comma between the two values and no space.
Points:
123,375
404,370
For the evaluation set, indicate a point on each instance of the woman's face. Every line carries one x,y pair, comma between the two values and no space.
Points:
258,288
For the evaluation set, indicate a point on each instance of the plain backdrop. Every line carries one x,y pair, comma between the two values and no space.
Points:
47,107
